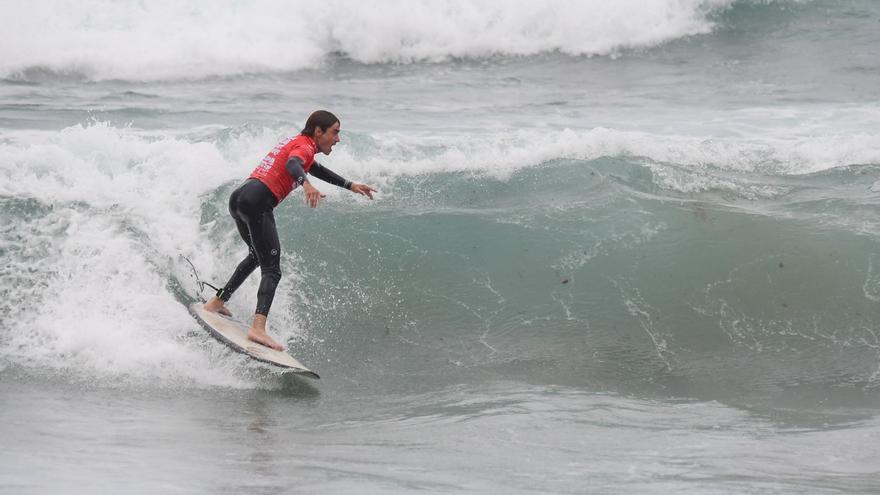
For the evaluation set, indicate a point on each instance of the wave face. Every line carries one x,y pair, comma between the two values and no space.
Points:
100,39
595,260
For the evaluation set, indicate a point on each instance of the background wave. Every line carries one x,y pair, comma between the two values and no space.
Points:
101,39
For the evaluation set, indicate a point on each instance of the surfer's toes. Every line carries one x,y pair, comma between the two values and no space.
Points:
225,312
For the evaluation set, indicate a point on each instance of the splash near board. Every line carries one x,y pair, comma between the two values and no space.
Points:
233,333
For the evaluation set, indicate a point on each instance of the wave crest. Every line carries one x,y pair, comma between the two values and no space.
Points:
100,39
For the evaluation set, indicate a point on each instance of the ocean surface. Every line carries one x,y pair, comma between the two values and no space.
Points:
619,247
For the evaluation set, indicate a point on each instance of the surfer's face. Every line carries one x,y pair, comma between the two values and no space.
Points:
325,139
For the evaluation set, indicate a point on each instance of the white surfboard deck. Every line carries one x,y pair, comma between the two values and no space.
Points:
233,333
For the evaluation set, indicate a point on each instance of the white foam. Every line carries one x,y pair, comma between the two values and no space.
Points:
500,155
102,310
90,272
144,176
164,39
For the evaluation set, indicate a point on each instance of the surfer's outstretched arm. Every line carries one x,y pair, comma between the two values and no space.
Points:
329,176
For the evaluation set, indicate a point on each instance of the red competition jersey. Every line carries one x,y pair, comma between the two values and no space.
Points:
272,171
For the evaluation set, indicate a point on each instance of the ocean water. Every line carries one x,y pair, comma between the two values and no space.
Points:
619,247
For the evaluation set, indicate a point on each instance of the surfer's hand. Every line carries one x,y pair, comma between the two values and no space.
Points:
363,189
312,195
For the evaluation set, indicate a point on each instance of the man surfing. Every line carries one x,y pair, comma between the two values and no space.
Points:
252,203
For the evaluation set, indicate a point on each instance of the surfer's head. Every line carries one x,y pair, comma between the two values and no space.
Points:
323,127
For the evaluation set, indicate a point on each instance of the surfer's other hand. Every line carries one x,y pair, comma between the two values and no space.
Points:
312,195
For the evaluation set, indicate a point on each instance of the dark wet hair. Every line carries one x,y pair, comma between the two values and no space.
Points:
319,119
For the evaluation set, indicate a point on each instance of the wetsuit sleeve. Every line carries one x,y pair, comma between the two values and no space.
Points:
327,175
295,169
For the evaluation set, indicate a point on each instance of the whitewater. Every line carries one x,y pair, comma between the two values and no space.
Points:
618,247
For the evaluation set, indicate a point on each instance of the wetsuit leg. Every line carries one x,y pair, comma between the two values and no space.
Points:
264,236
251,207
245,268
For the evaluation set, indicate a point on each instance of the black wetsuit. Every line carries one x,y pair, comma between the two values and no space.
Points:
251,206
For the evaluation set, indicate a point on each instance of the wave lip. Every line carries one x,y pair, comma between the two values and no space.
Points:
100,40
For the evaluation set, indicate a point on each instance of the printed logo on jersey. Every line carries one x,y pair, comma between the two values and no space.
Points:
269,159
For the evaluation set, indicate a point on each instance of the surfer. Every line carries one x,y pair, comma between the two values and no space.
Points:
280,172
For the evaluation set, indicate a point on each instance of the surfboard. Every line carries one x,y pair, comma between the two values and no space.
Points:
233,333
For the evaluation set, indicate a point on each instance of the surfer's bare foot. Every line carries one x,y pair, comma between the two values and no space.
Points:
215,305
263,338
257,333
